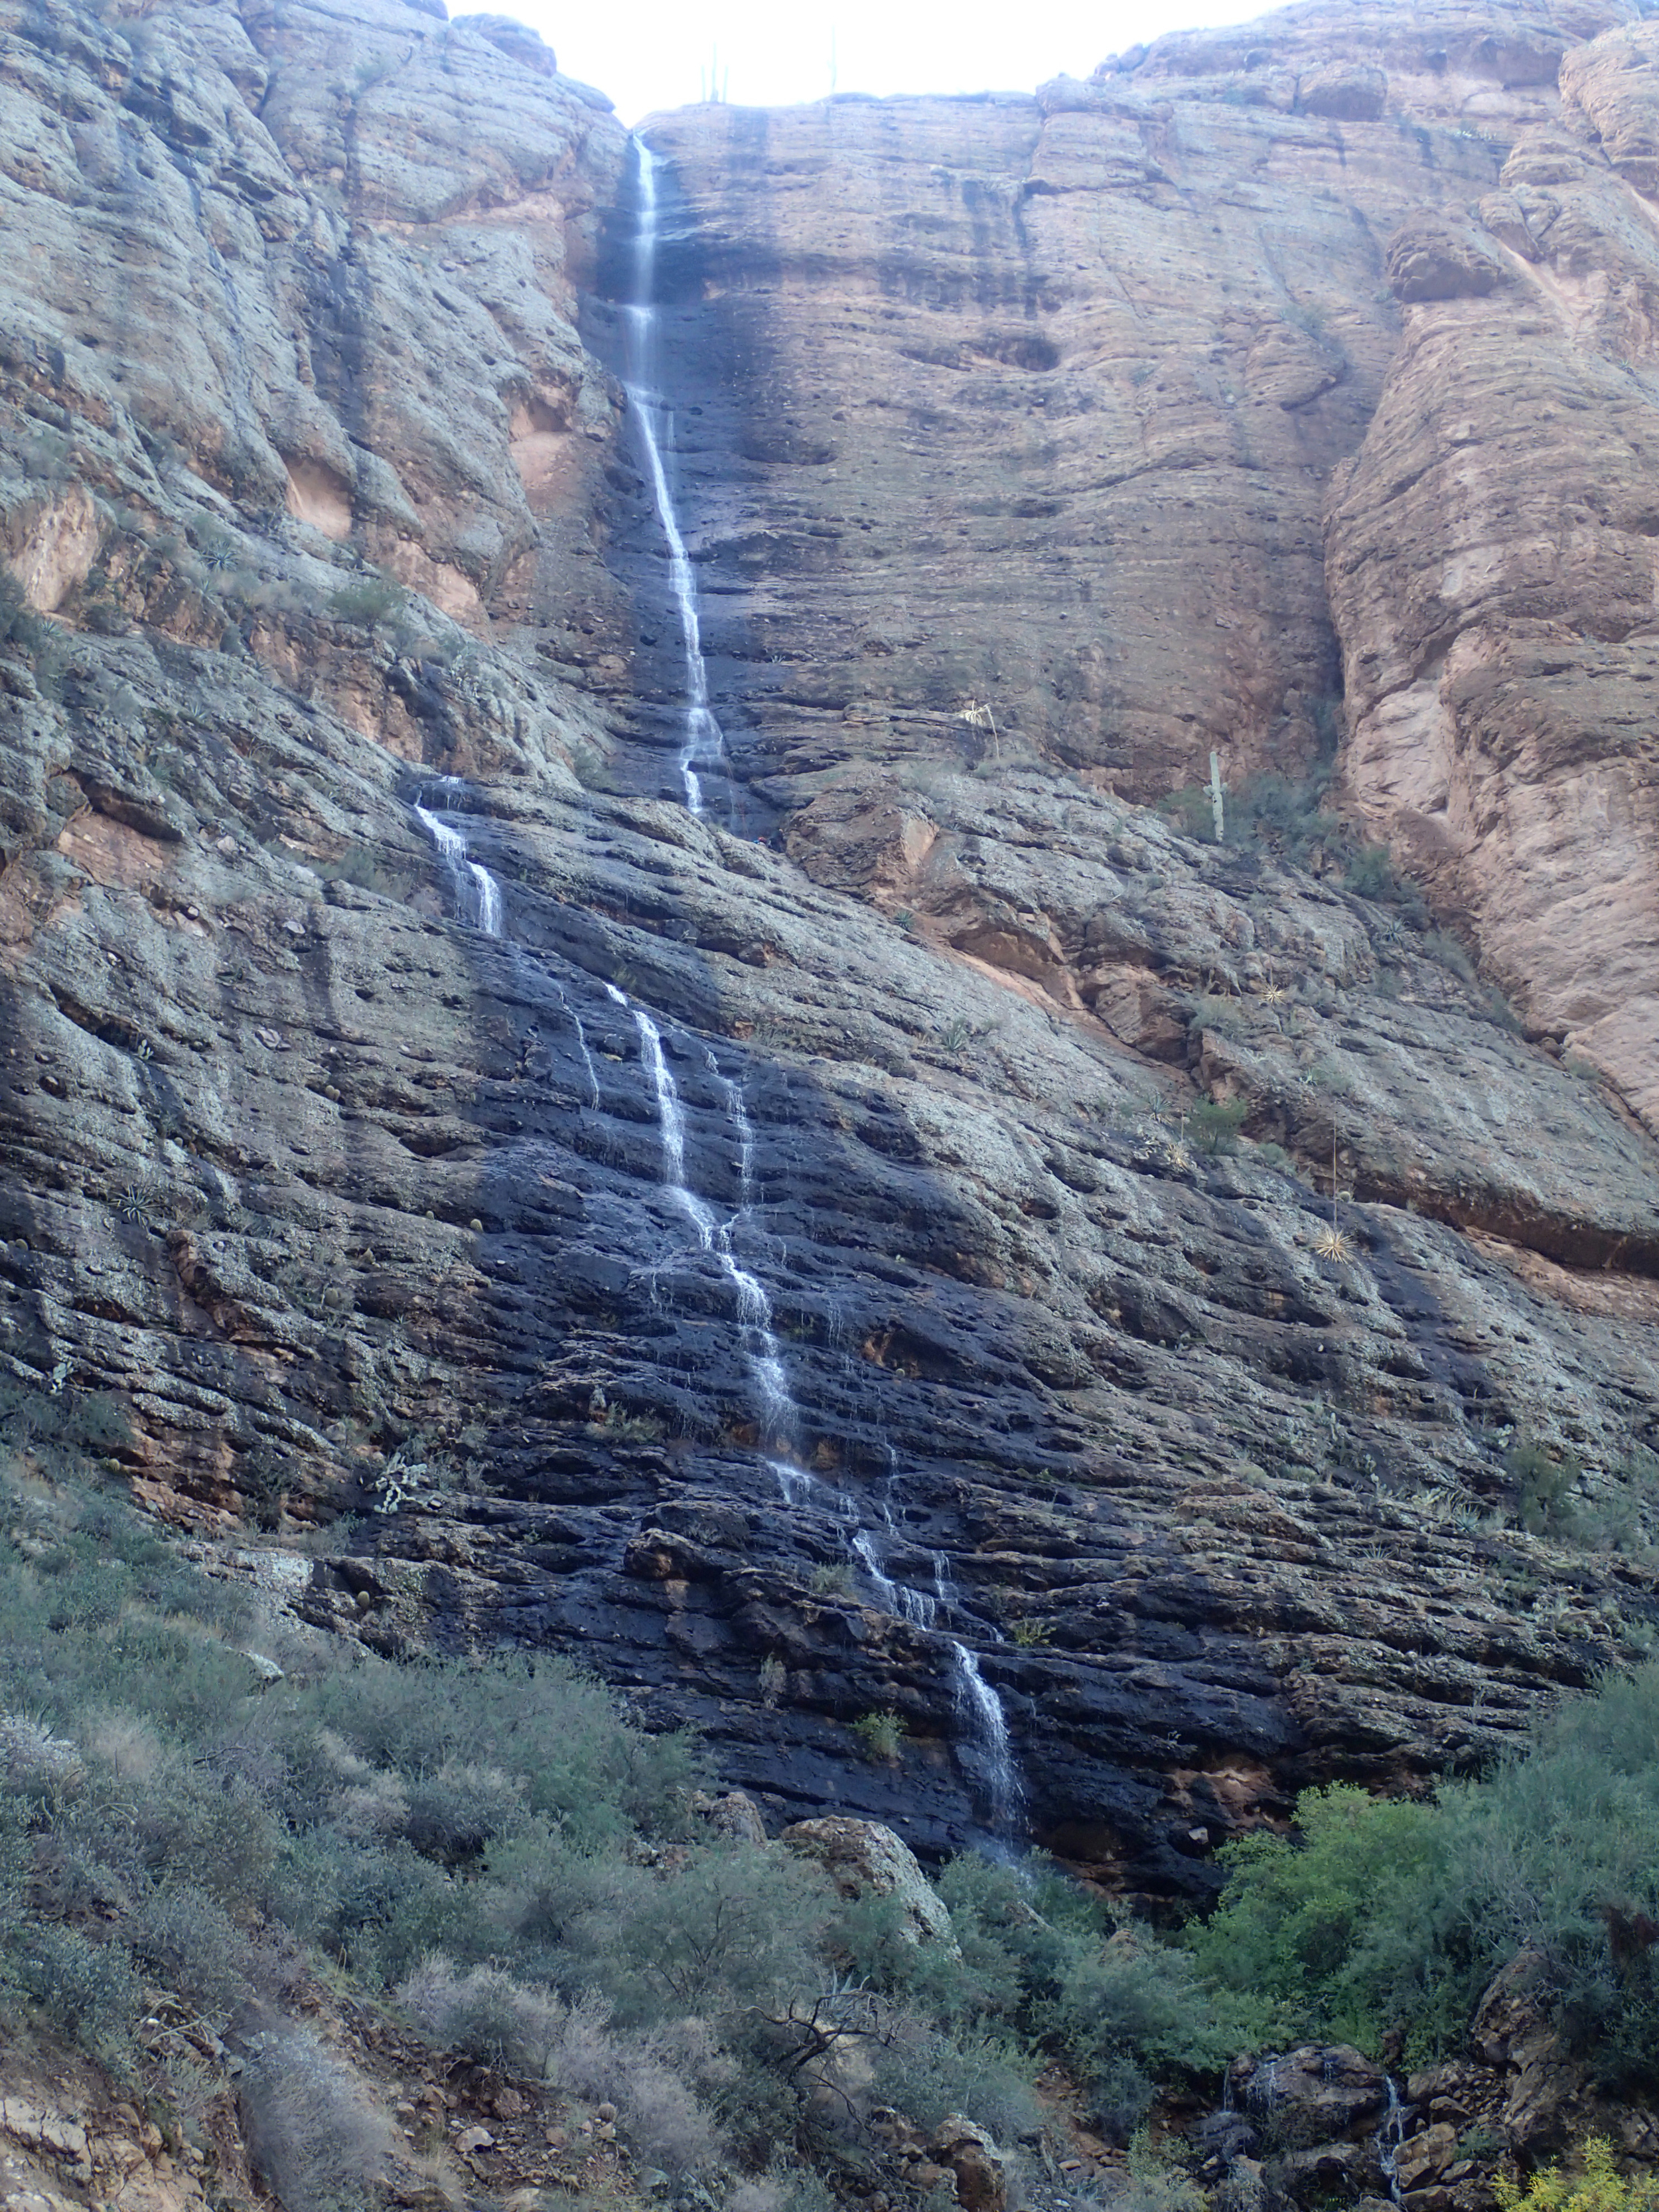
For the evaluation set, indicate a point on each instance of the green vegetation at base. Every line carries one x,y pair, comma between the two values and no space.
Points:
1598,2186
1387,1915
495,1847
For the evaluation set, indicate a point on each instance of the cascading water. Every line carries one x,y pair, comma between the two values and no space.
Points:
982,1709
1389,2137
582,1046
479,899
777,1407
977,1703
702,747
477,894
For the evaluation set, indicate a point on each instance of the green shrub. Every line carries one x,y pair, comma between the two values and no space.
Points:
928,2075
1079,1981
1388,1915
1210,1011
1598,2186
88,1989
1544,1486
727,1927
367,600
1311,1933
1370,874
1440,946
1192,811
882,1735
1214,1124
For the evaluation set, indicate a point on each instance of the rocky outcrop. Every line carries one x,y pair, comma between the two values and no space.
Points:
905,1338
1492,579
864,1859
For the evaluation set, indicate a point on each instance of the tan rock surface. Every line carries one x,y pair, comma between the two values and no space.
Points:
1493,577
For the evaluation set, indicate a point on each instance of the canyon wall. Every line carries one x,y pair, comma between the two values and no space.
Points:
913,1339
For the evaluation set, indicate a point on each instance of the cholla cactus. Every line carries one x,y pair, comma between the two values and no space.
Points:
400,1480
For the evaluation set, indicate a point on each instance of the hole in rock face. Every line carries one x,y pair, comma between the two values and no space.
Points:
1017,350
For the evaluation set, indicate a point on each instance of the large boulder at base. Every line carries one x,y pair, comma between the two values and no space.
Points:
965,2150
865,1859
1316,2093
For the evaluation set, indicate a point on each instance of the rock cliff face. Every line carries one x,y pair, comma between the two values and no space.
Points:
787,1270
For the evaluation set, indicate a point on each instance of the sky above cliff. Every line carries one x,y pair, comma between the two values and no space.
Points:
767,52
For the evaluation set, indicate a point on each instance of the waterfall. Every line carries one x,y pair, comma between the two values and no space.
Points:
581,1046
980,1707
1389,2136
916,1605
701,746
738,1110
477,894
479,900
761,1348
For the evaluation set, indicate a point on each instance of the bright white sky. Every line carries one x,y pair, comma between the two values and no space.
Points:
649,54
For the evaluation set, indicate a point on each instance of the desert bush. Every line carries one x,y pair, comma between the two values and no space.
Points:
1214,1124
1132,2010
1192,812
729,1926
1395,1916
1440,946
783,2188
882,1734
1077,1980
486,2015
366,599
1597,2186
1370,874
1313,1932
1212,1011
312,2129
86,1989
656,2078
928,2075
185,1938
1544,1485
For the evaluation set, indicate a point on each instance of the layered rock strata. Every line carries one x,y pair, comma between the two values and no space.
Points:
926,1348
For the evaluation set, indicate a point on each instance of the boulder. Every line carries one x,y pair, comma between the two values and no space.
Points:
734,1815
1314,2094
1424,2156
1430,259
1512,2031
863,1858
1346,91
965,2150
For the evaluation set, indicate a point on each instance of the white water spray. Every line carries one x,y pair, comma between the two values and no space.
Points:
701,746
1389,2137
477,894
980,1707
916,1605
761,1348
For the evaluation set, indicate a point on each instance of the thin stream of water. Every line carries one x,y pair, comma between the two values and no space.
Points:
477,894
702,748
977,1704
479,899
